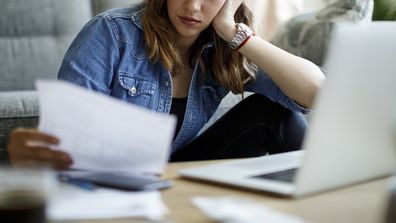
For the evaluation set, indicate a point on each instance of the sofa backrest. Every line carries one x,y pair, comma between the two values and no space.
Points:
35,34
102,5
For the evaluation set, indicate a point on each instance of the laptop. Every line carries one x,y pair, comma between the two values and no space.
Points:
352,134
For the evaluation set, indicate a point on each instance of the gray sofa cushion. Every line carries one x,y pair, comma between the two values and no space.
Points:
309,35
22,110
34,35
24,59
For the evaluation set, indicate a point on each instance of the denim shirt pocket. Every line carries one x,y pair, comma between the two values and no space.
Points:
139,89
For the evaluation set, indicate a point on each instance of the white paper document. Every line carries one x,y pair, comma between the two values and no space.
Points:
72,203
102,133
239,210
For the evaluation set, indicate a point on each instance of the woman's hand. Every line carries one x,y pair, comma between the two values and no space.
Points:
224,22
29,147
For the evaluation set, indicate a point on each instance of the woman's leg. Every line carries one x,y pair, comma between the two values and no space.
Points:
254,127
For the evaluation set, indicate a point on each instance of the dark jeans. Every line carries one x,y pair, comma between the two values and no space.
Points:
254,127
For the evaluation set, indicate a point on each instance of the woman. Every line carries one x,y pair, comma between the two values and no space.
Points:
182,57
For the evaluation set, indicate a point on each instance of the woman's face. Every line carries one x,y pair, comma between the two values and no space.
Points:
191,17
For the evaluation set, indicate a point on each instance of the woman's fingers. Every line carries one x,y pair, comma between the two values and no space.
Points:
48,155
42,156
229,8
29,147
224,23
34,135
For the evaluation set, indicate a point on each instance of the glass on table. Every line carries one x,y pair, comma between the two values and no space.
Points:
24,194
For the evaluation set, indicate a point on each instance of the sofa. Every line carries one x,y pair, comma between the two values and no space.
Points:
34,36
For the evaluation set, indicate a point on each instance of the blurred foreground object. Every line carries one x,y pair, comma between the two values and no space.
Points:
24,194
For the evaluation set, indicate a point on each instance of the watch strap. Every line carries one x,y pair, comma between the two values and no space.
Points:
243,34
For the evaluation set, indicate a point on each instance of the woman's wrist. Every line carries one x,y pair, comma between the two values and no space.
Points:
231,32
226,31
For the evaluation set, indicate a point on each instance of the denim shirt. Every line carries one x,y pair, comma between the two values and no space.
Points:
109,56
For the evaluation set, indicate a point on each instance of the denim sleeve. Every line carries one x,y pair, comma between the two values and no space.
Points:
93,57
264,85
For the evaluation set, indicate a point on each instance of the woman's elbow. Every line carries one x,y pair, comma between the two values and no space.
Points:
313,90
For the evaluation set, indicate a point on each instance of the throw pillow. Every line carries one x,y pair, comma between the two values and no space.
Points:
308,35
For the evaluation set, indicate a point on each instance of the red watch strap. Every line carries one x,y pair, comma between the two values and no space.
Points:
244,42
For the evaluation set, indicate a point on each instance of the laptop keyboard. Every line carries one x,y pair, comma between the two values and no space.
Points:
284,176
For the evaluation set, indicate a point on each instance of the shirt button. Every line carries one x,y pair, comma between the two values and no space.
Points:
133,90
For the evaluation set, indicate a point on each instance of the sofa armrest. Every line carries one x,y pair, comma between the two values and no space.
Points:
18,109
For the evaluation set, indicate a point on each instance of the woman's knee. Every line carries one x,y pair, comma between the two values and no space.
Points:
292,127
287,126
258,106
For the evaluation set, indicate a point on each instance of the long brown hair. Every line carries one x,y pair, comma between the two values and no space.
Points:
230,68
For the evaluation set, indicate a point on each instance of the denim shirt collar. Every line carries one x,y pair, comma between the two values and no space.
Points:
137,17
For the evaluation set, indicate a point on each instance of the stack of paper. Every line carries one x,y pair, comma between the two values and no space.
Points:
72,203
239,210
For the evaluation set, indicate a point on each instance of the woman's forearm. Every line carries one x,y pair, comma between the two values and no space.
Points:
298,78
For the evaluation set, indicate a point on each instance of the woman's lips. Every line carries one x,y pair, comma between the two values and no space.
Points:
189,21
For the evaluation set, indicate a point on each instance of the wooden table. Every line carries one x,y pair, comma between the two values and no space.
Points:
363,203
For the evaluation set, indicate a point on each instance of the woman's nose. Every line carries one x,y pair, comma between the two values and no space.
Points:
193,5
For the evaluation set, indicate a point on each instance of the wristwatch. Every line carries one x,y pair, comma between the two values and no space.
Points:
242,35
